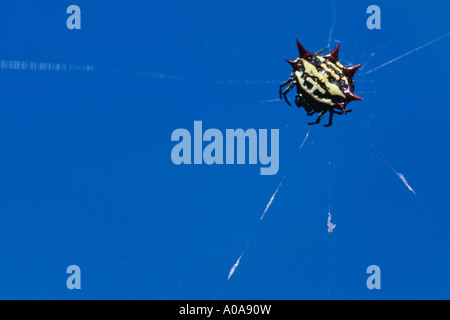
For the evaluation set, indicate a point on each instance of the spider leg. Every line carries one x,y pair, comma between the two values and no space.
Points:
301,102
341,107
310,113
340,112
307,108
285,92
297,98
319,118
330,120
285,83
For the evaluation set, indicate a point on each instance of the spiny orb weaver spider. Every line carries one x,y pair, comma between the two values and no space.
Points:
323,83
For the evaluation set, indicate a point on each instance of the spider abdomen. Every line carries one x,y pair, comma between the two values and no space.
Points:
323,83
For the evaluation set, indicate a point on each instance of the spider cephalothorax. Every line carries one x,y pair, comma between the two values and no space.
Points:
323,83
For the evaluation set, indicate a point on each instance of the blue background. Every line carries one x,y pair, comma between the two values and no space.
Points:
86,176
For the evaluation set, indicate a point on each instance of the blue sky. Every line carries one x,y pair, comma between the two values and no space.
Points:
87,178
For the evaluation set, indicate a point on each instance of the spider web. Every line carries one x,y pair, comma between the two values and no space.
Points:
365,76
